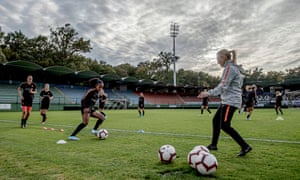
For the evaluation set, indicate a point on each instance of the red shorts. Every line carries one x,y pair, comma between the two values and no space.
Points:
26,108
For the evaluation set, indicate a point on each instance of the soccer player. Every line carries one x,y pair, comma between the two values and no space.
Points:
250,101
278,102
230,91
205,103
87,108
102,100
45,96
141,105
29,89
243,105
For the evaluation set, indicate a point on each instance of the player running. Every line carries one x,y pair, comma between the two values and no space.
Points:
87,108
230,91
250,101
278,102
204,103
29,89
45,96
141,106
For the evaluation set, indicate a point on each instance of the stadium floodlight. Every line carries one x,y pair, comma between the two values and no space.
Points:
174,30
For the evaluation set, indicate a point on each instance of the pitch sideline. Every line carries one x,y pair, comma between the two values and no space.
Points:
170,134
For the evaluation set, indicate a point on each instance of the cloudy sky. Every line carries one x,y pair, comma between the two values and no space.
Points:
265,33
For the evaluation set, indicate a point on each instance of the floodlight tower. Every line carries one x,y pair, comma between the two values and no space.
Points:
174,30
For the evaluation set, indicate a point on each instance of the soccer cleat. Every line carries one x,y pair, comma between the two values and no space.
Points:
94,131
74,138
212,147
245,151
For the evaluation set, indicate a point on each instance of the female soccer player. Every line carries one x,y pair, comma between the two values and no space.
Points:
29,89
45,96
102,100
205,103
87,108
141,105
250,101
230,91
278,102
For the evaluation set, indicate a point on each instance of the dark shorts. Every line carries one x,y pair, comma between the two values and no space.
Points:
27,102
204,104
249,105
91,110
101,105
141,106
45,105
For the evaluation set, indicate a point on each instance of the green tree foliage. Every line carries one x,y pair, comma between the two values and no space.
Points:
124,70
66,43
17,46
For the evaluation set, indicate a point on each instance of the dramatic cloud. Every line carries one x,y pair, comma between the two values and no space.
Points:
265,33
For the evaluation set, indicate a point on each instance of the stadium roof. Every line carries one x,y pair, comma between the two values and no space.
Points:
58,70
110,77
129,79
146,82
23,65
86,75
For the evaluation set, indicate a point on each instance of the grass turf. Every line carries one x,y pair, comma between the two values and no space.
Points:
32,153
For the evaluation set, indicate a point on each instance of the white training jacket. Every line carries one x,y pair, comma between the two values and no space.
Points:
230,85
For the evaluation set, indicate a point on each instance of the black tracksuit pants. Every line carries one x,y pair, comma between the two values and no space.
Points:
222,120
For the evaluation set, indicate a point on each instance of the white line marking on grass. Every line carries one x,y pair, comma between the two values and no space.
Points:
169,134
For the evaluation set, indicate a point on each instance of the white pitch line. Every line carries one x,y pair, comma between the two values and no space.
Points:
171,134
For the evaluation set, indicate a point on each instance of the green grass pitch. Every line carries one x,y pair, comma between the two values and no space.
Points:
32,153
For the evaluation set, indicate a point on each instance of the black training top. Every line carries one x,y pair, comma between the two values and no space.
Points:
250,97
90,98
46,96
141,100
278,100
26,90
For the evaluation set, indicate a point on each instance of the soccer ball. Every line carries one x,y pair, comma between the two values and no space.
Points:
206,164
102,134
195,156
166,153
202,148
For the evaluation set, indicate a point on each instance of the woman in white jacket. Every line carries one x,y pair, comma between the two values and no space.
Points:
230,91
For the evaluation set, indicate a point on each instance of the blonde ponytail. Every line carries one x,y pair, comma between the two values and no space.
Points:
233,53
229,54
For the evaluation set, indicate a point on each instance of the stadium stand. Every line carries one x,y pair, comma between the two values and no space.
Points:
163,98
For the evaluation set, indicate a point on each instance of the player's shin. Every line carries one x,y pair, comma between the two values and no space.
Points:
78,129
98,123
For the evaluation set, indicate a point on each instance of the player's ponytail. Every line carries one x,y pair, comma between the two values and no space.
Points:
230,55
233,56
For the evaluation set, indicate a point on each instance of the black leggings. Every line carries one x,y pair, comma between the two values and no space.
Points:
222,120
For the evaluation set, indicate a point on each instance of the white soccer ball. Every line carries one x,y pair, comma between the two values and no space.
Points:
195,156
167,153
102,134
202,148
206,164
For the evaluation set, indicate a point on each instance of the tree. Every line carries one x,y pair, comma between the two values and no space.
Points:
124,70
40,51
17,46
65,43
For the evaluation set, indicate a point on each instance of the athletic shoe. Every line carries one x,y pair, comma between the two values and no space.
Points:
74,138
212,147
245,151
94,131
